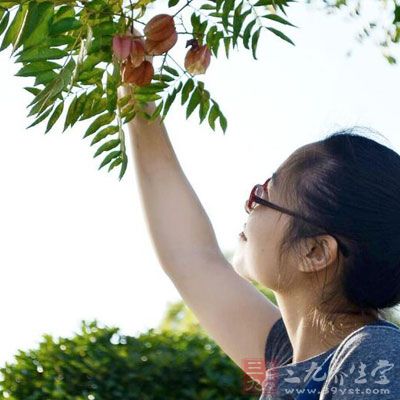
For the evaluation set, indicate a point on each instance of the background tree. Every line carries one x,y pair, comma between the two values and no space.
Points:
383,30
100,363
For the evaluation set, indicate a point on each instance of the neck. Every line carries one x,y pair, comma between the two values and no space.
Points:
306,335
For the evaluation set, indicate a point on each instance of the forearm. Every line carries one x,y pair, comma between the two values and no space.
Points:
178,224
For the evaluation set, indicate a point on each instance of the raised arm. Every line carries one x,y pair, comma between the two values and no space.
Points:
235,314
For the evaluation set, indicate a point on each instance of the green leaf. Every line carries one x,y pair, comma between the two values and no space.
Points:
211,35
172,3
93,59
36,27
34,68
168,102
247,32
223,122
123,101
204,107
111,91
71,110
146,97
40,106
65,25
41,53
162,77
45,77
227,42
123,166
281,35
193,102
129,116
115,163
91,77
238,20
172,71
213,115
105,28
254,41
202,28
218,4
107,146
157,112
55,116
79,108
103,119
227,7
100,43
56,41
187,89
195,21
152,88
65,11
4,22
279,19
207,7
97,108
33,90
216,42
41,118
110,130
110,157
396,14
13,30
91,100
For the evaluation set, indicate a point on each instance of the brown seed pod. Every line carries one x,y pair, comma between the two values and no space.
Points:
197,59
157,48
141,75
159,28
121,45
137,52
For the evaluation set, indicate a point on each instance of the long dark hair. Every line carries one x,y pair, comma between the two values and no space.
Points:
350,184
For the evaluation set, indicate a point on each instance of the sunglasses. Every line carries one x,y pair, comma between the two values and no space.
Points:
259,194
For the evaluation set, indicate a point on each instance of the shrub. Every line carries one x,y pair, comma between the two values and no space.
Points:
99,363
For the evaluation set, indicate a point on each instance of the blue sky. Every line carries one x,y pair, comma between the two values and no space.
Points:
74,240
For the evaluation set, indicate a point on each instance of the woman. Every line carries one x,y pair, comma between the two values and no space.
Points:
323,234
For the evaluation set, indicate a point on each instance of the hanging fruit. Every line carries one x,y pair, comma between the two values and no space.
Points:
121,46
141,75
197,58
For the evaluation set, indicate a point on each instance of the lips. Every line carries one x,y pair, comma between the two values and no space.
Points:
243,236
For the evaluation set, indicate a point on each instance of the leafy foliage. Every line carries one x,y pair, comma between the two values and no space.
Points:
65,47
100,363
383,29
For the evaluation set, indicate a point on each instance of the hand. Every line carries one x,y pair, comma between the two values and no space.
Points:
126,88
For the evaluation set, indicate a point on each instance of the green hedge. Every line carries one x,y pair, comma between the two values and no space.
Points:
99,363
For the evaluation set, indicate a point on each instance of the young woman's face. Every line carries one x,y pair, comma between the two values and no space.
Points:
257,257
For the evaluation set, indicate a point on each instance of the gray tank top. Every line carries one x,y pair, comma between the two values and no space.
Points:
366,365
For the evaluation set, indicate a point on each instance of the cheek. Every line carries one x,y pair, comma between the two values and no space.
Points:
262,252
263,259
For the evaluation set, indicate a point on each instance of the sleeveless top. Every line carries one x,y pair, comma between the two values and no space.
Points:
366,364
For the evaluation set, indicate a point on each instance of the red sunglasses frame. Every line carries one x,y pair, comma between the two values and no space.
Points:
254,199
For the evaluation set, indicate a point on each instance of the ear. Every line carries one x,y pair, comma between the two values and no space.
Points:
320,252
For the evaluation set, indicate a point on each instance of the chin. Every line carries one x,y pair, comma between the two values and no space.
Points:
238,262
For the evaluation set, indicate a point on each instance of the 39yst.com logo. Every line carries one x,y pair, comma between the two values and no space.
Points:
256,379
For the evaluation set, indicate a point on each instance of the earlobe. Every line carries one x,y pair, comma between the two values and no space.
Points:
318,254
